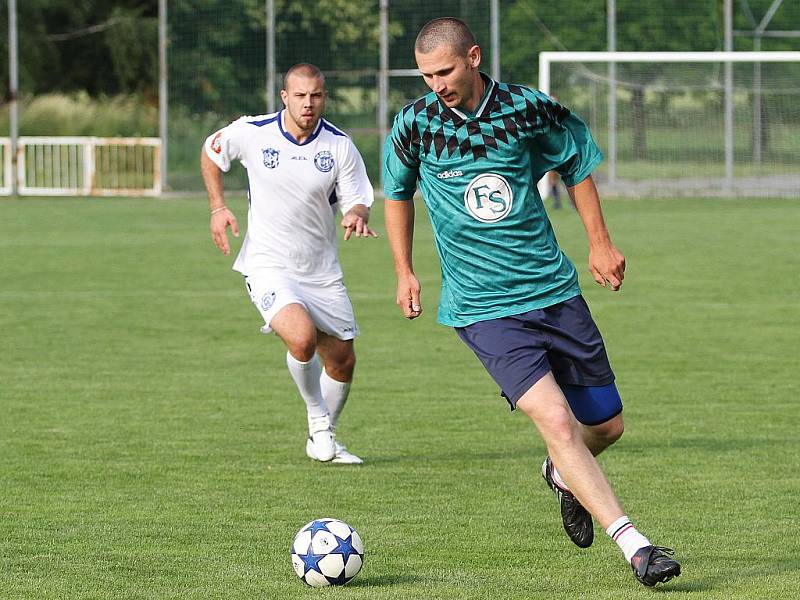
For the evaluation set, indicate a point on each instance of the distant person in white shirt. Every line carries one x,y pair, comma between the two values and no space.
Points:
300,170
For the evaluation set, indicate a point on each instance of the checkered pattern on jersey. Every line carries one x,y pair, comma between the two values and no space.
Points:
511,113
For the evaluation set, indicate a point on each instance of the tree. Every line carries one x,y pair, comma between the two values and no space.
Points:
218,55
91,45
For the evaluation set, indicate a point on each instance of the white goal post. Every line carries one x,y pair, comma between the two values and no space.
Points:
738,97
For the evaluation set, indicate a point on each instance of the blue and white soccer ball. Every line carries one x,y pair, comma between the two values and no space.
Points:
327,552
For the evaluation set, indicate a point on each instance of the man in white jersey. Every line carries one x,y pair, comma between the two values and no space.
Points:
300,169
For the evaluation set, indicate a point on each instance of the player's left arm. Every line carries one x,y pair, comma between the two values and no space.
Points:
606,262
355,194
355,222
565,144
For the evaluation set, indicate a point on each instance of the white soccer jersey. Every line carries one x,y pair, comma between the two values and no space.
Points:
295,190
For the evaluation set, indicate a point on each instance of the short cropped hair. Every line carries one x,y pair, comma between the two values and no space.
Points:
304,70
446,30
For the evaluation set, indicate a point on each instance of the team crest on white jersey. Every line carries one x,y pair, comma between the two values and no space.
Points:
488,198
324,161
270,157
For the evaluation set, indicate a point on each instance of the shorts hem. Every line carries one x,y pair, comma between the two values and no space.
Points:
528,383
534,378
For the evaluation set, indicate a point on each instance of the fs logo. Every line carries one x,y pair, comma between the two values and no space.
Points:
324,161
270,157
488,198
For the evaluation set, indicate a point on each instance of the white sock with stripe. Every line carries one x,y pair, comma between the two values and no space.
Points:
627,537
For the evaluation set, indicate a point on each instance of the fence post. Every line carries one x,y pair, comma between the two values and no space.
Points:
383,83
88,167
18,157
270,56
612,94
163,105
728,18
156,167
12,87
495,37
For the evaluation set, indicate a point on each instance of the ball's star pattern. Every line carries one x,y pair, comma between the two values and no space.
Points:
311,561
317,526
344,546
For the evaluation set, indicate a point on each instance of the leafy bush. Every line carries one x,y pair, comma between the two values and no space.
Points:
80,114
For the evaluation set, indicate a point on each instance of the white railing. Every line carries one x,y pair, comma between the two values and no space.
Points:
5,154
83,166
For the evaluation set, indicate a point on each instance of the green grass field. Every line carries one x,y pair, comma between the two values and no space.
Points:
151,443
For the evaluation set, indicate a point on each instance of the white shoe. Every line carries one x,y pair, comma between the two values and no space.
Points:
320,445
343,457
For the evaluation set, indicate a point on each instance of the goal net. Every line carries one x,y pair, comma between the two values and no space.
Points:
686,123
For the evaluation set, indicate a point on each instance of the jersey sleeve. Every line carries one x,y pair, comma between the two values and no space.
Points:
225,146
352,183
563,144
400,159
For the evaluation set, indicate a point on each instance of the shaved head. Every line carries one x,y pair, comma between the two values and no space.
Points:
304,70
446,31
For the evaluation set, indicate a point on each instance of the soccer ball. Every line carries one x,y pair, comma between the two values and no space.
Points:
327,552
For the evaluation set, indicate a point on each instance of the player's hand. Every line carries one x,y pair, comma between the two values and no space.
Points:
355,223
408,296
219,224
607,265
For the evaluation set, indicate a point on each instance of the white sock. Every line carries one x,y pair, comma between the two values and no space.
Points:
306,377
627,537
335,395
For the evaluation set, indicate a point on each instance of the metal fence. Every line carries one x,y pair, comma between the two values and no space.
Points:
370,67
225,58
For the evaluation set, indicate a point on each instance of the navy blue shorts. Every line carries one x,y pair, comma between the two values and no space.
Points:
518,351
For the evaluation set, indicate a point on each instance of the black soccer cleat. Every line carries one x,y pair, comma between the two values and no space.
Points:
652,565
576,519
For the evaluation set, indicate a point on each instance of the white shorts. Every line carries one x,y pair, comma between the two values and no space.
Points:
327,303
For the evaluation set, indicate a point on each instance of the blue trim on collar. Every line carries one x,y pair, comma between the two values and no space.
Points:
290,137
332,129
264,121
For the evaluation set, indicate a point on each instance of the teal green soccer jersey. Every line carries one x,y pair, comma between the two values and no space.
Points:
477,174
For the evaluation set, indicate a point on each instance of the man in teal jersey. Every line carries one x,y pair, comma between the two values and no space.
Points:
476,148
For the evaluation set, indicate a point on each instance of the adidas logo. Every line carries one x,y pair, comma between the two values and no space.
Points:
449,174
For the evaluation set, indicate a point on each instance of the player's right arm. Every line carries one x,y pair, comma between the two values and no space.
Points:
400,172
214,160
399,217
